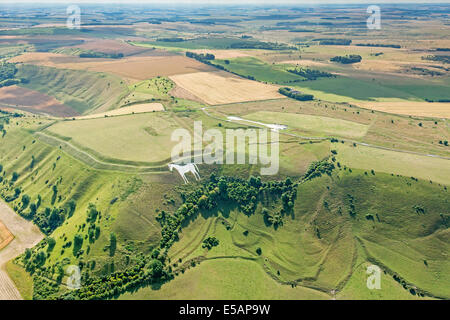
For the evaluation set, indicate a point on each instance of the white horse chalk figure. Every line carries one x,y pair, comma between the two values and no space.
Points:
183,169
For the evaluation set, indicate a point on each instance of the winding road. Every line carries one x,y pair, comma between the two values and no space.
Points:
26,235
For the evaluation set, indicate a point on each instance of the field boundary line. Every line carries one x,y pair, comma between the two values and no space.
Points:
329,138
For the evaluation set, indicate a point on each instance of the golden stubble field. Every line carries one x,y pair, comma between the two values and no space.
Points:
5,236
221,87
414,108
134,68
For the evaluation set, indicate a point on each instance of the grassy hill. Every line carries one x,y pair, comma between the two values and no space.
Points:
51,180
358,184
81,90
109,222
333,233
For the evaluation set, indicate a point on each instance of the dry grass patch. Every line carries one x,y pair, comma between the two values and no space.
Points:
413,108
134,68
5,236
223,54
134,109
221,87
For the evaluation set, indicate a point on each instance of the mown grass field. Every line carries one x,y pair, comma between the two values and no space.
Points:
312,124
138,137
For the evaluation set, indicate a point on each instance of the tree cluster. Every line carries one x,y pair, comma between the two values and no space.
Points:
347,59
310,74
294,94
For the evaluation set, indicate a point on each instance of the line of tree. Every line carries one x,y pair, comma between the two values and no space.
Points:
437,100
7,71
7,75
347,59
439,58
47,219
202,57
335,42
104,55
251,44
11,114
318,168
311,74
208,58
294,94
380,45
175,39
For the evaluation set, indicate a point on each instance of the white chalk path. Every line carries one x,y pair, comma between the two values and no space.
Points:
26,235
274,127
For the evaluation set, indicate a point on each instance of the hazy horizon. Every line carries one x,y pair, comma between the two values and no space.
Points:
268,2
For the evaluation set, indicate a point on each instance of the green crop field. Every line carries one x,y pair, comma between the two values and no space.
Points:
261,71
347,89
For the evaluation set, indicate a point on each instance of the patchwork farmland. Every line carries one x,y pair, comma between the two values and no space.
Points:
132,68
90,119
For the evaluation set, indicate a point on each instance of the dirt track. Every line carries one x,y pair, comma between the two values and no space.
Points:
26,235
